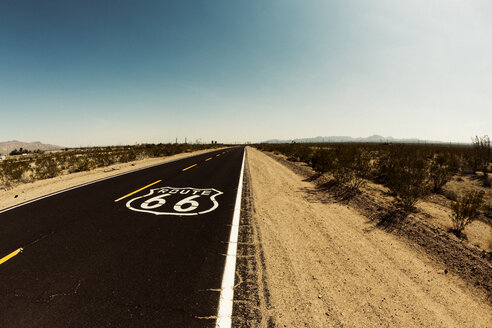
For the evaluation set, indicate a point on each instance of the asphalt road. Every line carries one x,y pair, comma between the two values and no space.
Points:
152,259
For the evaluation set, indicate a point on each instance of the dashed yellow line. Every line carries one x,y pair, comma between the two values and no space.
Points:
134,192
217,155
189,167
208,159
11,255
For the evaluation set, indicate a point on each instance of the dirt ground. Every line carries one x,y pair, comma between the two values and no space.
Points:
28,191
326,265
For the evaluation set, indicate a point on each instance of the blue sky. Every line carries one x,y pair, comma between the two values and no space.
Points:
118,72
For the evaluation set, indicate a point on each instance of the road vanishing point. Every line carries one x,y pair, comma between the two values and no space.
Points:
149,248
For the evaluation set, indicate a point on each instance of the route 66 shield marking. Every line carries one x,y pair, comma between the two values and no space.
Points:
182,201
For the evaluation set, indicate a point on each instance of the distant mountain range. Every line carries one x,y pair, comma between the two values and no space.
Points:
7,146
374,138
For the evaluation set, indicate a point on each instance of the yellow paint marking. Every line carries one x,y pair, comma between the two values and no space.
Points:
217,155
134,192
189,167
11,255
208,159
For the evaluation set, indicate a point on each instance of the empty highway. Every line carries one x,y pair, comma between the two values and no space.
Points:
143,249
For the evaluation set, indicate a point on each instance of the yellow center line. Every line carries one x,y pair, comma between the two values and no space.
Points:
217,155
134,192
189,167
208,159
11,255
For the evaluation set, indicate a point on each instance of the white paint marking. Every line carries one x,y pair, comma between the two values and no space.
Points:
96,181
224,315
178,209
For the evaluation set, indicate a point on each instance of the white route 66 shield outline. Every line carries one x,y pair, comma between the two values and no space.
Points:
159,199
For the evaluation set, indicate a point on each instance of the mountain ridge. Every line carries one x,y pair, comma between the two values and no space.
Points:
7,146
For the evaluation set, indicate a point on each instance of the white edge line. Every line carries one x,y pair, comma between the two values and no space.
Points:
224,314
96,181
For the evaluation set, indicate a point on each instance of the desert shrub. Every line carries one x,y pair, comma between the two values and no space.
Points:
442,168
410,185
19,152
465,210
486,180
102,158
341,172
155,151
80,164
351,166
15,171
70,163
128,156
322,161
450,194
487,210
480,156
299,153
405,172
46,167
3,179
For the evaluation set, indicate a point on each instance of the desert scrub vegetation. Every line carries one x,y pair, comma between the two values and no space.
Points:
46,167
13,171
406,172
25,167
480,157
351,167
465,210
410,171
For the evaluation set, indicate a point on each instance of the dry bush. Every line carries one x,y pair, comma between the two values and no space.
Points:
16,171
351,167
3,178
128,156
487,210
102,158
299,153
46,167
80,164
450,194
442,168
466,209
404,170
322,161
481,155
486,180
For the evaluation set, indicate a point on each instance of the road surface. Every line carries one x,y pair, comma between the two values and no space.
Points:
141,249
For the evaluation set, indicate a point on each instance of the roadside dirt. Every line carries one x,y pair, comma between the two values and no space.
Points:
327,265
425,230
28,191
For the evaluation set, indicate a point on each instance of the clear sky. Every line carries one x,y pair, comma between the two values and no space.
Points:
98,72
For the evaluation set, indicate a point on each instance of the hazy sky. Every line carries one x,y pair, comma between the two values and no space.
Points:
97,72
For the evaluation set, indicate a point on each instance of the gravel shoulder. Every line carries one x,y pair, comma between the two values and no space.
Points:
327,265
